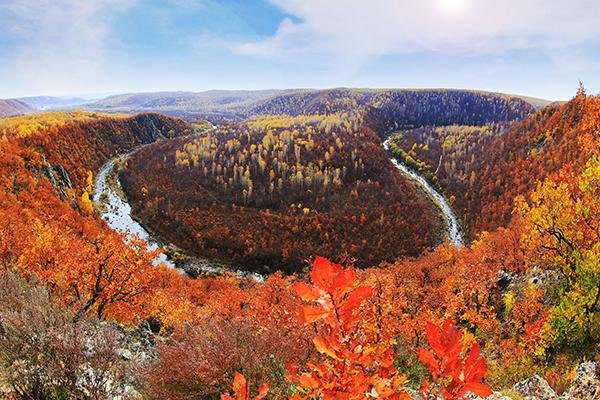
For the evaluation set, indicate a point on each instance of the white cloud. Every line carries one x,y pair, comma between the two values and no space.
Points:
62,43
377,27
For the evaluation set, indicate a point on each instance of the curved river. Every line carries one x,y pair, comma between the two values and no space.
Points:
111,204
117,212
452,226
113,207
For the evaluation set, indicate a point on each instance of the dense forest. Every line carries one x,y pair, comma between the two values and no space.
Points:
86,315
482,169
268,193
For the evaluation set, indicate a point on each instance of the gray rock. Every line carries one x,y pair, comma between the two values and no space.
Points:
498,396
493,396
535,388
586,385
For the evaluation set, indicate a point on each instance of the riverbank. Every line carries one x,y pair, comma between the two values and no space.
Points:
453,228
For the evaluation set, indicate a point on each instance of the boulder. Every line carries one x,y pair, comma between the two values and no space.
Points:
586,385
535,388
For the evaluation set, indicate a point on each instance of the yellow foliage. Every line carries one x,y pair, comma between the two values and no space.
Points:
26,125
86,204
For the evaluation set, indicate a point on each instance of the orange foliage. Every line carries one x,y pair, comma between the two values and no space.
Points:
357,362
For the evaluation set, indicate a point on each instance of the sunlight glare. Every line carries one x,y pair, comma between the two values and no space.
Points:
452,6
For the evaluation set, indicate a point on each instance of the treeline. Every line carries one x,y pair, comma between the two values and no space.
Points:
483,169
391,109
268,192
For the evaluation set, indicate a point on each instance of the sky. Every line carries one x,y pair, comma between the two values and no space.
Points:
539,48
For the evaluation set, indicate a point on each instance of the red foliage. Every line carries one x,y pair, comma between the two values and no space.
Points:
241,389
453,372
356,361
267,217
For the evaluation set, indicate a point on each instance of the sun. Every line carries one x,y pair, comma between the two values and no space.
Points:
452,6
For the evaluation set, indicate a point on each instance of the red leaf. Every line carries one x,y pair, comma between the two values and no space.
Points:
262,391
430,362
324,273
433,336
478,388
240,386
354,300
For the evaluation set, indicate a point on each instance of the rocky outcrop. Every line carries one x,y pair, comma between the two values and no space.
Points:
535,388
585,387
587,383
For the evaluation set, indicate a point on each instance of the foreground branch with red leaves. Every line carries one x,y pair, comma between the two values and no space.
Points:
357,362
453,375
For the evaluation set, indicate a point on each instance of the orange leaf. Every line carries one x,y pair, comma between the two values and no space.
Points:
307,381
240,386
307,292
262,391
430,362
311,314
323,346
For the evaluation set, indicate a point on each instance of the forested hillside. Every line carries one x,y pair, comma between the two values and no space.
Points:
266,192
86,315
483,168
390,109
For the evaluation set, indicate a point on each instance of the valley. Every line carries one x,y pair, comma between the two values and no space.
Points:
465,213
299,200
281,174
113,207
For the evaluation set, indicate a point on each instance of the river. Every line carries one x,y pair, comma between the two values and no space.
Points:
452,226
112,206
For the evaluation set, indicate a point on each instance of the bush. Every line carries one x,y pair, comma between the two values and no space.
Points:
45,354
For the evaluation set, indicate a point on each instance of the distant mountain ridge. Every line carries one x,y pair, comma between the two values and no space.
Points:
10,107
209,101
51,102
243,103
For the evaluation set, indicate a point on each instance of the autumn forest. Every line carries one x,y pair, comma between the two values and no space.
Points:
293,258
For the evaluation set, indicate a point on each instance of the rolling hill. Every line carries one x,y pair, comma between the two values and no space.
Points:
52,102
14,107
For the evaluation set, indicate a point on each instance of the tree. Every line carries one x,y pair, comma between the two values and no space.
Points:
356,363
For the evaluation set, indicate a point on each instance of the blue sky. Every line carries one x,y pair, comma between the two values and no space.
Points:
540,48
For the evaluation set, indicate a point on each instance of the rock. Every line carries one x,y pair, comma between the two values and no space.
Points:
504,279
125,354
535,388
498,396
493,396
586,385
